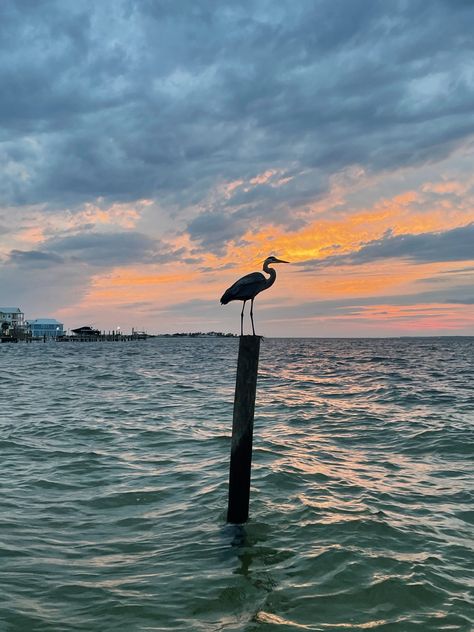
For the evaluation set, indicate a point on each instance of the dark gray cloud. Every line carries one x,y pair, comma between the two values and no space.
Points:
127,99
445,277
467,270
106,249
137,305
97,249
214,230
451,245
34,258
468,300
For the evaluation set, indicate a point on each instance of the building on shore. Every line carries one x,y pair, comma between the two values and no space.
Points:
46,327
86,332
13,316
12,323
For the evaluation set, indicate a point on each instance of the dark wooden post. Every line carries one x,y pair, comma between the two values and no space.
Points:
242,429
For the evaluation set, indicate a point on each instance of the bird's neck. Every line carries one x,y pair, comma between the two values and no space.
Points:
271,272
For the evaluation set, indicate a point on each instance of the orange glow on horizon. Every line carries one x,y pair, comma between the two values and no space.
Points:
329,228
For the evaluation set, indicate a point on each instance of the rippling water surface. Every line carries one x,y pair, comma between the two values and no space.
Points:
113,476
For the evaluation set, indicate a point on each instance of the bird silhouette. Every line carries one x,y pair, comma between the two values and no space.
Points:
247,288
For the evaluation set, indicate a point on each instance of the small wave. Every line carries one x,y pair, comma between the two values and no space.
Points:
114,488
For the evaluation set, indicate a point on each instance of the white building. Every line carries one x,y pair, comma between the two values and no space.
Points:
13,316
49,327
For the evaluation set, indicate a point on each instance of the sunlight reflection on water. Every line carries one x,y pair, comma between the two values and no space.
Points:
114,487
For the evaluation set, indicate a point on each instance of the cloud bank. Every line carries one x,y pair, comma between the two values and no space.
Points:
451,245
153,133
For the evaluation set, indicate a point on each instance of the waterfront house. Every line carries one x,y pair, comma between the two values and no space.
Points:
49,327
13,318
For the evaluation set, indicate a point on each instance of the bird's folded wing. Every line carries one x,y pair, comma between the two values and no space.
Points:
253,277
245,288
246,281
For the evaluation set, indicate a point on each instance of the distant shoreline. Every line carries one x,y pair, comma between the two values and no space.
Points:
219,335
196,334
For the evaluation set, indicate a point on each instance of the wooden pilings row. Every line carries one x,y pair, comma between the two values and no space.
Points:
101,338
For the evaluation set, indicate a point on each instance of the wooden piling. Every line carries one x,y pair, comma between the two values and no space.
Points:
242,429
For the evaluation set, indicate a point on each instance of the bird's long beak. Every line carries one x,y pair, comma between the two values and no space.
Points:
280,261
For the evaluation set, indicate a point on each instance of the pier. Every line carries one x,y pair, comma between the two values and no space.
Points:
103,337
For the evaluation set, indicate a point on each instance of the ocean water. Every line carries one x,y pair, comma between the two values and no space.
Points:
114,471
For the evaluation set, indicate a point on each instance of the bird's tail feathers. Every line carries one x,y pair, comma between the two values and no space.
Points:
226,297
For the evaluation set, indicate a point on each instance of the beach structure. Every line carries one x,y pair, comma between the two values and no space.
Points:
86,332
46,327
247,287
13,316
12,324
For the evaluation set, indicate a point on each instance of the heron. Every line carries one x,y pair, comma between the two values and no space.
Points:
247,288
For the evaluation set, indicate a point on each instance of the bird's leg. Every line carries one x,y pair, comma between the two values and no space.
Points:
251,316
242,320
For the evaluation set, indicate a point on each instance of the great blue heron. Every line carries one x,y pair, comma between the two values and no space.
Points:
247,288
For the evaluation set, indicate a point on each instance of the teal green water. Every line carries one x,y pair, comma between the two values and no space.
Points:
113,475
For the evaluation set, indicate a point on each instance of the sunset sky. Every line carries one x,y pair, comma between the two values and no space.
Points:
153,151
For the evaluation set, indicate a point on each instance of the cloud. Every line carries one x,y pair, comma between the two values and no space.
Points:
450,245
215,230
467,300
34,258
98,250
459,270
457,295
137,99
106,249
129,126
40,291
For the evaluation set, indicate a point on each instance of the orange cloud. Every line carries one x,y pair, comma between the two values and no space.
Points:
131,284
31,235
123,215
450,186
263,177
335,227
344,233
